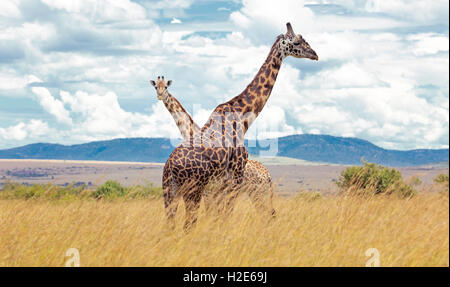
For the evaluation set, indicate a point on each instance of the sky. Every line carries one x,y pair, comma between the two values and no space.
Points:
78,71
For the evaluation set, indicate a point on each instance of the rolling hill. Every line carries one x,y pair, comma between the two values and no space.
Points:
341,150
314,148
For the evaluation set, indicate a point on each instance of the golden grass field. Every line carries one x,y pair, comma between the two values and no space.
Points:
327,231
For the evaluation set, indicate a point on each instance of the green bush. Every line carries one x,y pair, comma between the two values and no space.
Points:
443,182
442,179
373,179
70,192
113,189
14,190
47,191
110,189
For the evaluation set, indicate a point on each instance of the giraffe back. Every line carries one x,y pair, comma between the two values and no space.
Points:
256,173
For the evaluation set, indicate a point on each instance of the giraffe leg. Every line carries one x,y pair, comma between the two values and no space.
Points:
171,206
209,199
192,201
230,201
258,197
215,195
229,193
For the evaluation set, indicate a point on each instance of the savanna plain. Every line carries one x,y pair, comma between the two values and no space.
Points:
310,228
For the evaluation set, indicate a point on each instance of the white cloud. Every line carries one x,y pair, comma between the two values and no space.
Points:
22,42
260,18
53,106
423,11
17,132
388,110
101,117
429,43
271,123
169,8
9,8
109,10
11,82
171,4
240,19
33,79
28,32
200,115
350,74
426,12
31,130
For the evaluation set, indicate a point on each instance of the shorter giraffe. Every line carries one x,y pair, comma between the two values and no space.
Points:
182,119
257,179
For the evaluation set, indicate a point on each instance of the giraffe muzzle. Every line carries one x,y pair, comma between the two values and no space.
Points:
312,55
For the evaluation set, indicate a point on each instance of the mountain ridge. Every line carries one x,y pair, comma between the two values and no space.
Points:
314,148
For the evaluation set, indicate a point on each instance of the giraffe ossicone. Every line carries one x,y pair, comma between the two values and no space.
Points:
218,150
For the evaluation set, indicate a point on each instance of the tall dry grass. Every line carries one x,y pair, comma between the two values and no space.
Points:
308,231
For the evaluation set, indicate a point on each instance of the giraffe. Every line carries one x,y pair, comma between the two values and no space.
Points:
183,120
219,151
255,174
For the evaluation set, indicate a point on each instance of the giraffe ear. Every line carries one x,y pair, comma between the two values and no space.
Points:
169,82
153,83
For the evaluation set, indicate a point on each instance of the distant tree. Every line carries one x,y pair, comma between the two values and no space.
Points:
373,179
109,189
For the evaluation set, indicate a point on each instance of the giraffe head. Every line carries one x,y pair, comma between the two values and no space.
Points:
161,86
294,45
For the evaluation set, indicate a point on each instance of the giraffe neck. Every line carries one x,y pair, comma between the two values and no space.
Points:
255,96
183,120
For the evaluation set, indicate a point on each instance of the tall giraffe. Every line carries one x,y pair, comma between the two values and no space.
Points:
256,174
219,150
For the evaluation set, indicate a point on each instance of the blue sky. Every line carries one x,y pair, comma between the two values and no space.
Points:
77,71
